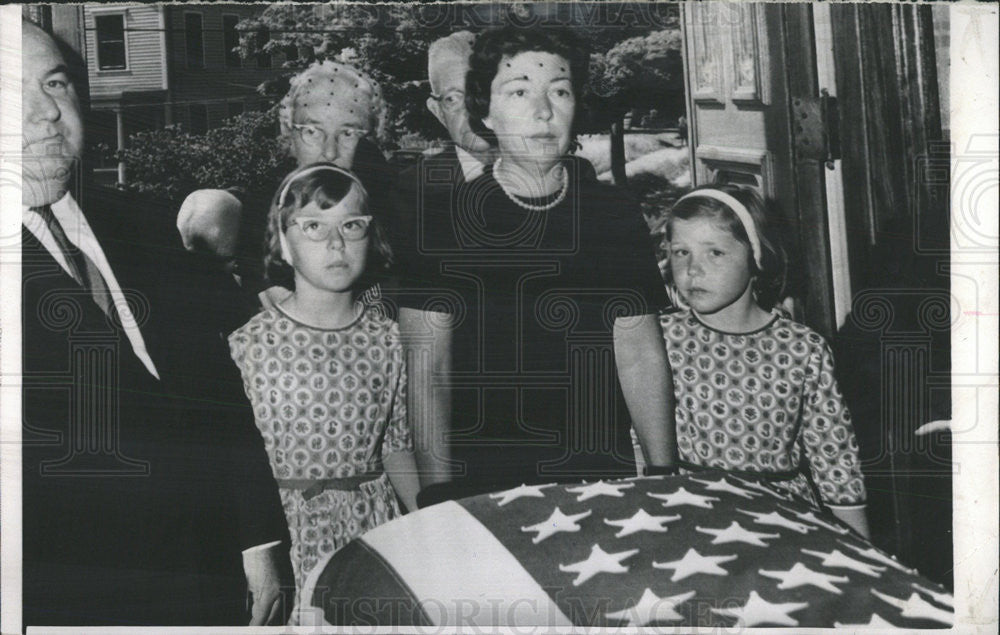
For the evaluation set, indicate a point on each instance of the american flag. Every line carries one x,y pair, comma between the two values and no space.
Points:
709,549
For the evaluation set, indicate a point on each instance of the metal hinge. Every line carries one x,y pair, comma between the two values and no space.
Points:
814,128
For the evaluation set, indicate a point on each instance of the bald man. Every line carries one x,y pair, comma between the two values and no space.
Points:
147,495
447,65
424,192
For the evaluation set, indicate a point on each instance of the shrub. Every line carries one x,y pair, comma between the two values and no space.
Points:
171,163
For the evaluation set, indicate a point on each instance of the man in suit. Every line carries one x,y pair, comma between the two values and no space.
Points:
428,186
147,496
447,65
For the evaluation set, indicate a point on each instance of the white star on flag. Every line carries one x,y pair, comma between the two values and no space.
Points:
722,485
875,622
757,611
800,575
684,497
692,563
651,609
838,559
877,556
917,607
555,523
814,519
641,521
599,561
777,520
940,598
600,488
736,533
763,488
532,491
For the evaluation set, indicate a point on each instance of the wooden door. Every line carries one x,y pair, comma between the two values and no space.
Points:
833,112
750,67
895,342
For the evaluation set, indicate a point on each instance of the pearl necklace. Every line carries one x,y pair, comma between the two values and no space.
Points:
528,206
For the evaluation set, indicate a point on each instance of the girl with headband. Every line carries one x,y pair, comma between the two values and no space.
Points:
755,391
324,371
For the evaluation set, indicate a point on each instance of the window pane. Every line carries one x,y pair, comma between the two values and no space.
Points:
110,41
199,119
231,40
235,108
193,40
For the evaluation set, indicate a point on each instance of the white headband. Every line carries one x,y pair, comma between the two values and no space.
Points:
741,212
295,176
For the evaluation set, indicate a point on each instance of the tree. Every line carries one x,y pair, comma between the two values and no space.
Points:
644,71
390,42
387,41
635,62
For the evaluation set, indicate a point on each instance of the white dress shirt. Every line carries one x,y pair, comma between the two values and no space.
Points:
471,166
78,231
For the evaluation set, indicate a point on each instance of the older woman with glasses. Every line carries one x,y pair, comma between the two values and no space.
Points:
540,289
331,113
328,109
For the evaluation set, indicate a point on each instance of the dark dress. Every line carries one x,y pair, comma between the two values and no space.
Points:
534,296
138,494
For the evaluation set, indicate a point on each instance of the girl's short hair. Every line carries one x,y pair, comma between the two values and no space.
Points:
770,277
326,185
493,45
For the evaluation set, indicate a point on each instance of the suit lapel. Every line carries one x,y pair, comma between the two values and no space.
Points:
114,218
36,260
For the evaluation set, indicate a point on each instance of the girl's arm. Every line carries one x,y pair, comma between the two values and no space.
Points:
402,470
398,458
826,423
427,342
647,385
855,518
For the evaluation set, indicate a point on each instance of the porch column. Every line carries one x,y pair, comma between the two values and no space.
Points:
120,125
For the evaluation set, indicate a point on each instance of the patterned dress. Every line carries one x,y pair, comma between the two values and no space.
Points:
759,401
330,403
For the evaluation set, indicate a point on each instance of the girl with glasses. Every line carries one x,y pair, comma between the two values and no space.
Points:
324,371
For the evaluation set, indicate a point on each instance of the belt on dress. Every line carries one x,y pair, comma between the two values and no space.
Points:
786,475
312,487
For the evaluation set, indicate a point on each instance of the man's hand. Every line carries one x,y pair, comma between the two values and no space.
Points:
941,425
265,578
273,296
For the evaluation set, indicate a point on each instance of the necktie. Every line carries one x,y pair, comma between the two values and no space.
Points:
82,268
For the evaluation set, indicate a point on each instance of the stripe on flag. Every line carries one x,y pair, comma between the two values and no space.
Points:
448,535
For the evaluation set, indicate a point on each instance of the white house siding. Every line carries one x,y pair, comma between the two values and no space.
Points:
215,85
144,53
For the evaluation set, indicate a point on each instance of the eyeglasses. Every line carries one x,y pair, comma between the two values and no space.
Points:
352,228
450,101
315,136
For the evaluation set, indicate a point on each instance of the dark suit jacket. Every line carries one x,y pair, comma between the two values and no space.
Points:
139,494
